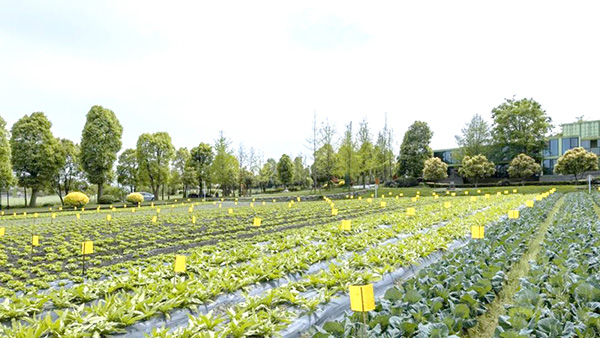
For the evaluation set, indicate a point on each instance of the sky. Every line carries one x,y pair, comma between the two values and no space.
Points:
259,70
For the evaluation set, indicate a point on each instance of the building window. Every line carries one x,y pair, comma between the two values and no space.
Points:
591,145
552,148
569,143
549,167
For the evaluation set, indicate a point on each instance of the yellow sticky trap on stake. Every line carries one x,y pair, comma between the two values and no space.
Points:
154,219
466,192
369,200
346,225
414,199
35,240
447,205
505,192
230,211
360,197
158,210
98,208
35,215
257,221
383,204
179,263
77,215
435,197
478,191
253,199
453,194
529,203
220,205
477,231
274,201
513,214
498,193
87,248
53,215
401,194
264,203
190,210
59,208
235,203
2,232
410,212
108,217
473,198
132,209
362,298
514,191
334,212
487,196
251,205
2,213
50,209
24,213
193,219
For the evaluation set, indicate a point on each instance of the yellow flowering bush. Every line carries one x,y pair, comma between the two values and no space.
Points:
135,198
76,199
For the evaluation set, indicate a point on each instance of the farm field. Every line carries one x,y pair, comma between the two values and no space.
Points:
287,274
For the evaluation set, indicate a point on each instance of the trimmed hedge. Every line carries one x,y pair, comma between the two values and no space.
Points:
76,199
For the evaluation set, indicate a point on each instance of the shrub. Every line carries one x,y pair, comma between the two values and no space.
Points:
76,199
192,195
135,198
106,199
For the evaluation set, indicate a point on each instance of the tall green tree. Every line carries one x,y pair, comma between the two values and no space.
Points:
201,158
181,163
348,160
127,169
6,173
435,169
475,138
523,166
70,171
224,167
520,126
265,176
301,175
100,143
415,149
36,157
285,170
476,167
154,153
325,162
576,162
365,151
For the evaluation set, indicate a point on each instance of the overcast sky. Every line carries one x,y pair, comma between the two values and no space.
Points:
257,70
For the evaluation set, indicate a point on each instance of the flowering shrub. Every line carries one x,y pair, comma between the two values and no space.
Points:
76,199
135,198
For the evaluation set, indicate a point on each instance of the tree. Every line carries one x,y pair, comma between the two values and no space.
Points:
475,137
300,172
154,153
523,166
35,153
6,174
201,158
70,169
325,157
576,161
476,167
265,176
520,126
285,170
415,149
347,156
127,169
434,169
180,165
365,151
224,168
100,143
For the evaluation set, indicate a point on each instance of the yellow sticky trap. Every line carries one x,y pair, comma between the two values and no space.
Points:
59,208
193,219
478,191
487,196
447,192
362,298
35,215
2,213
124,205
513,214
414,199
179,263
401,194
529,203
346,225
154,219
108,217
77,215
53,215
289,205
230,211
411,212
264,203
188,199
514,191
251,205
2,232
158,210
132,209
447,205
498,193
383,204
360,198
235,203
222,199
473,198
87,248
49,209
190,210
334,212
98,208
253,199
435,197
220,205
466,192
453,194
257,221
477,231
152,205
274,201
35,240
24,213
505,192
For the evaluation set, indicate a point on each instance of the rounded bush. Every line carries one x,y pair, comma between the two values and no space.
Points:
135,198
76,199
106,199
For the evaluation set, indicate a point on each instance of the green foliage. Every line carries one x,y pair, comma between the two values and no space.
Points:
326,157
366,150
201,158
285,170
520,126
70,170
523,166
135,198
435,169
6,174
76,199
100,143
476,167
475,138
348,159
225,166
127,169
36,155
301,173
576,162
415,149
154,153
106,199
